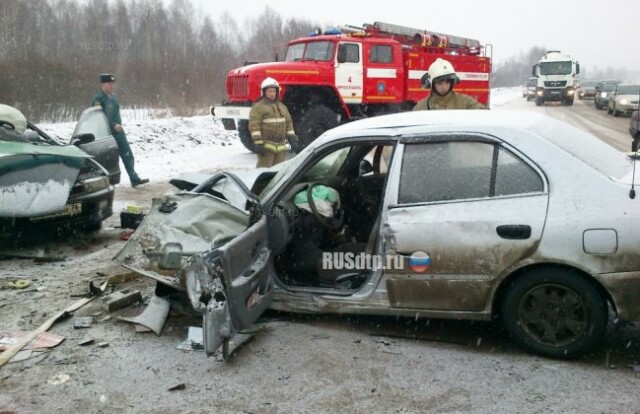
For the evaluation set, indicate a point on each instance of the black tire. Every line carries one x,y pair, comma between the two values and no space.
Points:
569,101
539,102
314,122
554,313
616,113
93,226
634,144
529,98
609,110
245,136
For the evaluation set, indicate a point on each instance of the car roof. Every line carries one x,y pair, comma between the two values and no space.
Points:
429,121
14,117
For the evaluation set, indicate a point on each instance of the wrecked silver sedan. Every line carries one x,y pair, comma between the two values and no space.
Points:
444,214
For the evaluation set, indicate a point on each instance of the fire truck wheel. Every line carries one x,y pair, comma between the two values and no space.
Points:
245,137
315,121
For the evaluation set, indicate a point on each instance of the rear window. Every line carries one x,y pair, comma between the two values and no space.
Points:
588,84
609,87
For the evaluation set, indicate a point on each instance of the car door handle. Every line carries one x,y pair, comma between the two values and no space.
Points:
514,231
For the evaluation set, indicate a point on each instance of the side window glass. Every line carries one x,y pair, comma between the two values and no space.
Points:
445,171
93,123
463,170
514,176
349,53
381,54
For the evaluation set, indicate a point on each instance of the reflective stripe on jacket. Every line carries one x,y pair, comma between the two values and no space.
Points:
451,100
269,124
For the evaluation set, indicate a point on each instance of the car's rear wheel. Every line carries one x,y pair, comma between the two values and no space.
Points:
554,312
539,101
609,110
616,113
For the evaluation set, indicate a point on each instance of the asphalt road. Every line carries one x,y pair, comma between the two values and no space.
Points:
584,115
296,363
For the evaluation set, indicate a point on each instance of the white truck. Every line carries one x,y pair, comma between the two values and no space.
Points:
557,75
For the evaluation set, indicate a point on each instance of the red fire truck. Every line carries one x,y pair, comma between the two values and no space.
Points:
351,73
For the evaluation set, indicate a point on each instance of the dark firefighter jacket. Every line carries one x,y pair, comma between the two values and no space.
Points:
269,124
451,100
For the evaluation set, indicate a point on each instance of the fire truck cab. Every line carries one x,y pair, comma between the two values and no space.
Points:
352,73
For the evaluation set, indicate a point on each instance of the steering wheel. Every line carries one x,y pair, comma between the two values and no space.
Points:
330,223
7,125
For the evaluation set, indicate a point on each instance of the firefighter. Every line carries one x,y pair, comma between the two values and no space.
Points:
441,77
270,126
108,101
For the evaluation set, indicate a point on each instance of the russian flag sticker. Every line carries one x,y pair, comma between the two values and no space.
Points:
419,262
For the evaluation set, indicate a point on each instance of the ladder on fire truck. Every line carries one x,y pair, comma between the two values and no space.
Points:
422,38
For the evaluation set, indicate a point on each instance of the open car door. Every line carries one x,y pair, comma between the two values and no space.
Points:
103,146
213,248
232,285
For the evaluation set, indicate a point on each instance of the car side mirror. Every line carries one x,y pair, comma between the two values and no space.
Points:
83,139
365,167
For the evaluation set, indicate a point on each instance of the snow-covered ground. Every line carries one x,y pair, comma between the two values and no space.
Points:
166,148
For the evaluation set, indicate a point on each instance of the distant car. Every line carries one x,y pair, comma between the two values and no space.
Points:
46,187
624,99
587,89
634,130
459,214
603,89
531,84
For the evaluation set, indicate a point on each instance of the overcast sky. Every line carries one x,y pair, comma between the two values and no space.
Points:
597,33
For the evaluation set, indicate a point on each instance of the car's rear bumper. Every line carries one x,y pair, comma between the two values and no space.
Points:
624,289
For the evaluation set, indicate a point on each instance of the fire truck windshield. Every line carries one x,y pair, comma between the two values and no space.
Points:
555,68
321,50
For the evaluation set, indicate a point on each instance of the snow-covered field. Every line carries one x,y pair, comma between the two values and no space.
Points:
165,148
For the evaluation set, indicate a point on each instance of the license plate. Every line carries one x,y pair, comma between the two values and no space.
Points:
72,209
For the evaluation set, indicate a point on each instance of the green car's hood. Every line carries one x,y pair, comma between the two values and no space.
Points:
36,180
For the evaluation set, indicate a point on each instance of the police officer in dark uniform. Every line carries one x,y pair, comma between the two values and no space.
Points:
111,107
